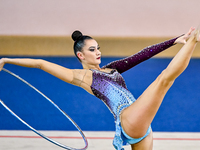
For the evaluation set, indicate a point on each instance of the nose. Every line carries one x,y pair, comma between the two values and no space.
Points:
98,52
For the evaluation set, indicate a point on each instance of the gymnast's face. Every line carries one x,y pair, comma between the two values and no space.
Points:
90,53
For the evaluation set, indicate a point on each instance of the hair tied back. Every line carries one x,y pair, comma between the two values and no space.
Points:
76,35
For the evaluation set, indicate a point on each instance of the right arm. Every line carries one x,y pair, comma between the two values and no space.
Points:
58,71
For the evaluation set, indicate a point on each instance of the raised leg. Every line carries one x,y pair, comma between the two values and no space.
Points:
136,118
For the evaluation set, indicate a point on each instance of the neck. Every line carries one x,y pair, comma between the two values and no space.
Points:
86,66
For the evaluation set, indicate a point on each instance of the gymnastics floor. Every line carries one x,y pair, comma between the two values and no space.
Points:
28,140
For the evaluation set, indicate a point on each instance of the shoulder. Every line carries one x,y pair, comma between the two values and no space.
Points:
80,75
83,78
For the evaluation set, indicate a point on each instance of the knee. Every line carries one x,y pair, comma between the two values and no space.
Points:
164,79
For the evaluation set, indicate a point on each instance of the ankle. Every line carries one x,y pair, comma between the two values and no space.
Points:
197,34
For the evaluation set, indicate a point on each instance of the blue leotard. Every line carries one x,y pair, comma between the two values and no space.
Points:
112,90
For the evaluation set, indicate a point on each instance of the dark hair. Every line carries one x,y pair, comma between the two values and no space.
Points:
79,41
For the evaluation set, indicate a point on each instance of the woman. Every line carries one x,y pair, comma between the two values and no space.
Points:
132,117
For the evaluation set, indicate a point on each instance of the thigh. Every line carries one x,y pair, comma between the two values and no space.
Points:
136,119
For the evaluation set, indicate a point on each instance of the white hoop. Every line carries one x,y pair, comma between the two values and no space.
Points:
34,130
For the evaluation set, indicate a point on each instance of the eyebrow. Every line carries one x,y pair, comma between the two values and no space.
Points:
93,46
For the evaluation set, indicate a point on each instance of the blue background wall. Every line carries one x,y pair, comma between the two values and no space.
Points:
178,112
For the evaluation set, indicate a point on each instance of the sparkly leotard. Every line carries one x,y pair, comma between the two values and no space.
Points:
112,90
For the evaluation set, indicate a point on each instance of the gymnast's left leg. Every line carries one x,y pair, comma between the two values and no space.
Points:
136,119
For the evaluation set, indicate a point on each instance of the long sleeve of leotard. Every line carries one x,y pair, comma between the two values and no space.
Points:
125,64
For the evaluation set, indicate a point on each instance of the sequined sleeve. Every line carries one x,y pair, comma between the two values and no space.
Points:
123,65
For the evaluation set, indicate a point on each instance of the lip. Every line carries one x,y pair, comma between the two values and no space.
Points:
98,57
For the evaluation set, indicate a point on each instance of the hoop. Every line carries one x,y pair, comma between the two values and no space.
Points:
34,130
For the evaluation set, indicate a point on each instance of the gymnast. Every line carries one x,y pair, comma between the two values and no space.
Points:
132,117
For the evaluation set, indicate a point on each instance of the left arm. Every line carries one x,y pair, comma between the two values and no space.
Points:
148,52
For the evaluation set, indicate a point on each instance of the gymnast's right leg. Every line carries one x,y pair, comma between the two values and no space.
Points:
136,119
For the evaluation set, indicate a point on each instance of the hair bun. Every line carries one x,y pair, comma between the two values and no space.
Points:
76,35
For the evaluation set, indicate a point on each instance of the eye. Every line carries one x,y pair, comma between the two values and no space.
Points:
92,49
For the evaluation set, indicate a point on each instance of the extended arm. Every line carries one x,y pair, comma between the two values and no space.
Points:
148,52
54,69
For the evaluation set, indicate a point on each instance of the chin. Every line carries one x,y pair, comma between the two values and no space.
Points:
97,61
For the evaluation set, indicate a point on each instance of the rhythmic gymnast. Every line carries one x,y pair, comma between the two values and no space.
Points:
132,117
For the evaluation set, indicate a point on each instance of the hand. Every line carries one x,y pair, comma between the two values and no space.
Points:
2,63
182,39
